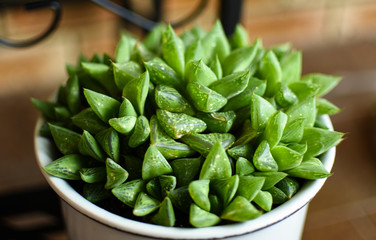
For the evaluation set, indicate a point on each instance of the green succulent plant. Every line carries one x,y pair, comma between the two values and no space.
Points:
190,130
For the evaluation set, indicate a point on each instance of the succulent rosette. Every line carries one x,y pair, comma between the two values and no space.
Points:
192,130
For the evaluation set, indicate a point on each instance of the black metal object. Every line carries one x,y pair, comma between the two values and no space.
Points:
33,5
230,13
42,201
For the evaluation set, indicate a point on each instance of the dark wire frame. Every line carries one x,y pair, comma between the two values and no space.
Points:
55,6
230,16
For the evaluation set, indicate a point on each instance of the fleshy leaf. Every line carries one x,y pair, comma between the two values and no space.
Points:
289,186
204,99
173,50
239,60
124,48
203,143
126,109
293,131
123,125
271,71
243,150
239,210
218,122
199,72
271,178
249,186
165,215
94,174
231,85
161,73
199,192
286,158
277,195
104,106
154,164
194,51
264,199
167,184
291,66
65,139
67,167
128,191
103,74
140,133
306,109
90,147
216,165
199,217
89,121
225,188
125,72
274,128
244,167
170,99
177,125
320,140
145,205
73,94
169,148
116,174
263,159
326,82
324,107
261,111
95,192
180,166
215,43
136,92
240,37
110,143
309,169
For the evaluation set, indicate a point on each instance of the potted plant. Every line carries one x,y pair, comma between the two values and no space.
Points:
196,136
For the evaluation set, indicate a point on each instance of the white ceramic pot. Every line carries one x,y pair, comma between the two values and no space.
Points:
85,220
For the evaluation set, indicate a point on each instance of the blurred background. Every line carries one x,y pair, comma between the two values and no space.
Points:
336,36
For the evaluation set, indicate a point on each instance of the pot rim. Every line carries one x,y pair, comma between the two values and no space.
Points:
43,149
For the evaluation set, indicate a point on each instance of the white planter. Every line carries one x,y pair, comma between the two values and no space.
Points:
85,220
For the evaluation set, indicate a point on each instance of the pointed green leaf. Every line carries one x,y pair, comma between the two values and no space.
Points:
73,94
103,74
205,99
136,92
89,121
247,134
140,133
180,166
225,188
153,39
161,73
326,82
124,48
219,122
128,191
240,37
255,86
293,131
264,200
125,72
249,186
271,71
286,158
165,215
216,165
306,109
116,174
239,60
215,43
126,109
167,183
320,140
203,143
284,96
216,67
153,188
104,106
154,164
169,148
244,167
303,90
243,150
271,178
239,210
291,66
289,186
145,205
199,192
324,107
67,167
274,128
309,169
261,111
176,125
168,98
201,218
90,147
45,107
93,175
263,159
123,125
173,50
110,143
180,198
277,195
199,72
194,51
95,192
231,85
65,139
